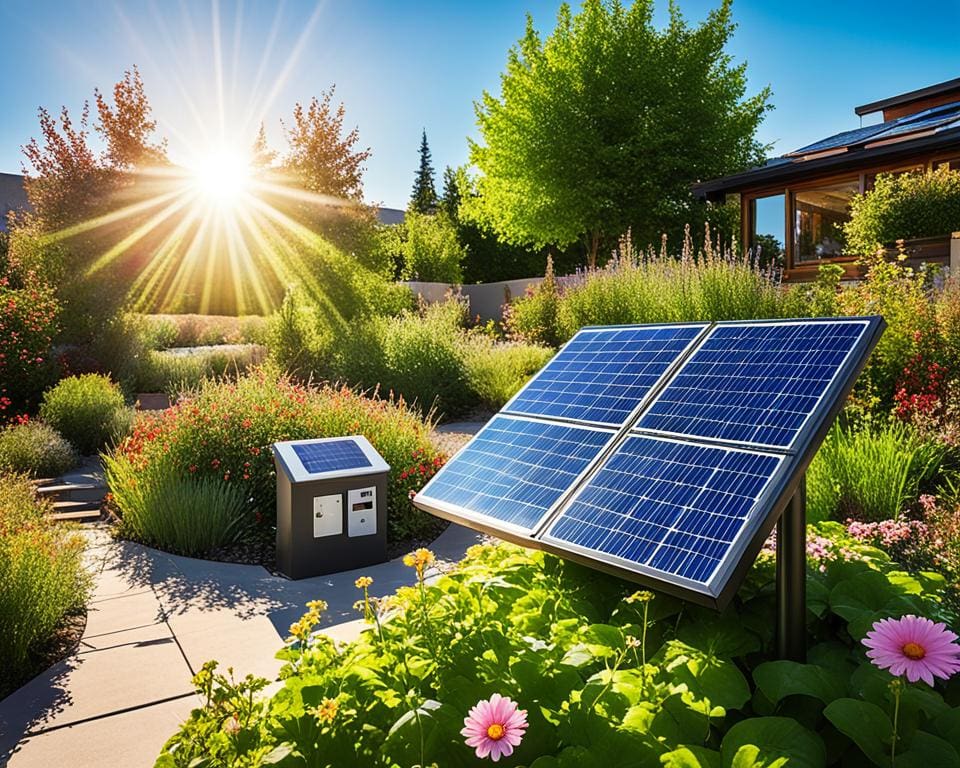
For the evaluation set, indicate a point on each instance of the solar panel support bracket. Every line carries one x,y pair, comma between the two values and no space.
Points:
792,577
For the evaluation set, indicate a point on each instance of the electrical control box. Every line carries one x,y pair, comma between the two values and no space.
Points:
331,505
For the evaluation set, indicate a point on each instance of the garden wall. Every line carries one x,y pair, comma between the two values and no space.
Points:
486,299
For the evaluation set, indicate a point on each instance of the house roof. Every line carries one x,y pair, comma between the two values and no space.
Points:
13,197
910,96
930,130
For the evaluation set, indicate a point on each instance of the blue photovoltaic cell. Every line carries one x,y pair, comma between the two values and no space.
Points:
601,376
331,455
670,506
514,470
754,383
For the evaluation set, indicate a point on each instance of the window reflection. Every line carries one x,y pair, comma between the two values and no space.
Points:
767,228
819,216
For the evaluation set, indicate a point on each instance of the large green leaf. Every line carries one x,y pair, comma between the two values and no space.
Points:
691,757
770,742
865,724
779,679
426,734
926,751
948,726
715,681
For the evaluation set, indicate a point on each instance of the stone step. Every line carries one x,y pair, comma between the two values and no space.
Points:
58,491
76,510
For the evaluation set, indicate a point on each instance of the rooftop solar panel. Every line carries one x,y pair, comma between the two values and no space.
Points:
330,456
515,470
672,508
754,383
602,374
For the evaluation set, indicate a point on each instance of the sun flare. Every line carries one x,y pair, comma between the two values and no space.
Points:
222,176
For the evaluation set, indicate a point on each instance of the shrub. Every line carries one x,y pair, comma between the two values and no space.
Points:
298,343
607,676
225,429
175,373
870,474
429,248
496,370
416,355
28,324
189,515
190,330
42,578
35,449
535,317
86,410
904,206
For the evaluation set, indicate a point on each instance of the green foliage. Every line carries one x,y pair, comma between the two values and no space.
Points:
870,473
42,578
608,679
299,344
35,449
655,110
86,410
494,370
28,323
423,198
191,516
175,373
166,331
652,288
428,248
902,207
224,430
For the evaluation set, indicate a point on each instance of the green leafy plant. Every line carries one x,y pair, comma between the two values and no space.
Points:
42,578
191,516
429,248
606,676
870,473
496,370
175,373
86,410
35,449
902,206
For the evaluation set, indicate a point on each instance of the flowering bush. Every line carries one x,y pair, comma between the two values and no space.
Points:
42,578
225,431
606,677
28,324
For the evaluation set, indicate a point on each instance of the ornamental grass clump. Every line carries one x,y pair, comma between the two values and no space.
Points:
36,449
42,578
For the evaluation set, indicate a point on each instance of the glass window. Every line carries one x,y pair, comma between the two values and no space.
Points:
767,216
818,218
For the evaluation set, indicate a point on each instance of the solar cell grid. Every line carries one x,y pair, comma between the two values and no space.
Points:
330,456
602,375
673,507
515,470
754,384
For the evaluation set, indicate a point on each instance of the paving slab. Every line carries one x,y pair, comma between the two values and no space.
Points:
128,740
135,608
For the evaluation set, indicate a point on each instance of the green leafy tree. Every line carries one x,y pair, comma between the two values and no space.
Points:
604,125
423,199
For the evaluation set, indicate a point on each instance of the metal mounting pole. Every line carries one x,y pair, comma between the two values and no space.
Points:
792,577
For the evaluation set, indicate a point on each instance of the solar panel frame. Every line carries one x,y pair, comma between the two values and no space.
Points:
855,350
293,465
511,405
489,524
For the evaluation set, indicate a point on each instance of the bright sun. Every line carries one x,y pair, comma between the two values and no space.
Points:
222,176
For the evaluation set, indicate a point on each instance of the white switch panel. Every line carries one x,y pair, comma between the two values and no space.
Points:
362,511
327,515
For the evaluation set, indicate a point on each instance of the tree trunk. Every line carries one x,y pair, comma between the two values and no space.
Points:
594,247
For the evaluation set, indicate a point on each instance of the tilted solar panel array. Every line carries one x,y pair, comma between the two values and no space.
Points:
662,453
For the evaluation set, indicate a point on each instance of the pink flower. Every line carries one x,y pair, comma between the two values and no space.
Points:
914,646
495,727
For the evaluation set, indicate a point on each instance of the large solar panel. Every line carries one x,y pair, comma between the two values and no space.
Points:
515,470
602,374
681,489
330,456
667,506
754,383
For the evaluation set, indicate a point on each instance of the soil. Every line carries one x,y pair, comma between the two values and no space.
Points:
64,642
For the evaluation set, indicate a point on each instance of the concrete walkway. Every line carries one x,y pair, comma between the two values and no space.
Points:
153,620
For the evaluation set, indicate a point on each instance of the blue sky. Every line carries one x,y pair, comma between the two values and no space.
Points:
404,66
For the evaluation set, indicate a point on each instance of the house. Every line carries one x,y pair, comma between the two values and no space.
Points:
799,202
13,196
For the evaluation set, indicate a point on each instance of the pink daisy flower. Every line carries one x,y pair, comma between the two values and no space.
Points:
914,646
495,727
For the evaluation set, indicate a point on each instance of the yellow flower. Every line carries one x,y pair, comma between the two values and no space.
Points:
419,559
327,710
633,642
318,606
643,596
409,561
363,582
